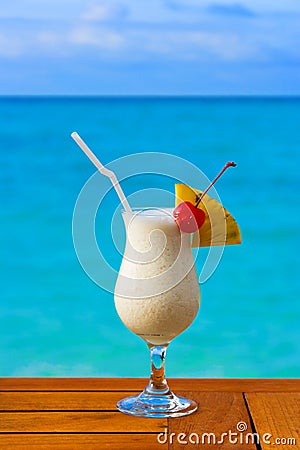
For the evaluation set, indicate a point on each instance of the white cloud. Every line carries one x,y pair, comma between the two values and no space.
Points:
140,38
104,38
195,45
102,12
153,11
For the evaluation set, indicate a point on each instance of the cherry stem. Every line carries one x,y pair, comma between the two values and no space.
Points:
229,164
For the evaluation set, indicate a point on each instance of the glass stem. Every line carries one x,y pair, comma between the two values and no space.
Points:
157,384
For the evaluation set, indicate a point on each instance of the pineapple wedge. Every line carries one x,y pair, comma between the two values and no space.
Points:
219,227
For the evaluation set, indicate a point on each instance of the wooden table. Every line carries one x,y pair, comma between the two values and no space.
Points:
80,413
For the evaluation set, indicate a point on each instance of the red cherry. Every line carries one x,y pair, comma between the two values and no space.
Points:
188,217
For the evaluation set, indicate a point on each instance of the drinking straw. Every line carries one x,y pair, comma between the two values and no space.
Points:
108,173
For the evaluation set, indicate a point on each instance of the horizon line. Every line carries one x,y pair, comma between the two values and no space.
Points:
151,96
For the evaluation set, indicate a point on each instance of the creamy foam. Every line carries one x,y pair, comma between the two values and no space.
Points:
157,293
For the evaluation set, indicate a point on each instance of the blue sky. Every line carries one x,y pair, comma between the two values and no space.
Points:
150,47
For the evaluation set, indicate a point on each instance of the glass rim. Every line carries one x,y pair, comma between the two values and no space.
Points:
148,211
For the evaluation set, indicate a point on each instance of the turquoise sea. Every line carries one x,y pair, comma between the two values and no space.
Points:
54,321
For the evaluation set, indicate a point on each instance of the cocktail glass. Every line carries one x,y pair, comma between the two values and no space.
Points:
157,296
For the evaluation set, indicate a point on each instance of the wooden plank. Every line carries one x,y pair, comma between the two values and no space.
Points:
60,401
80,441
72,384
218,412
77,422
277,414
134,384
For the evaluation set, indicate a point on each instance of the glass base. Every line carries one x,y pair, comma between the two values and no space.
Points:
156,405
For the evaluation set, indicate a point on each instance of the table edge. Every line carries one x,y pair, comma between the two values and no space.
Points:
133,384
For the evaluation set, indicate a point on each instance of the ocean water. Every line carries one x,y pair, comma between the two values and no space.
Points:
55,321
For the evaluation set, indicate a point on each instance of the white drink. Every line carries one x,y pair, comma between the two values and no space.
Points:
157,294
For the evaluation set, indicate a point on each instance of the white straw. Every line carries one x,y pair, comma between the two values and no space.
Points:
108,173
